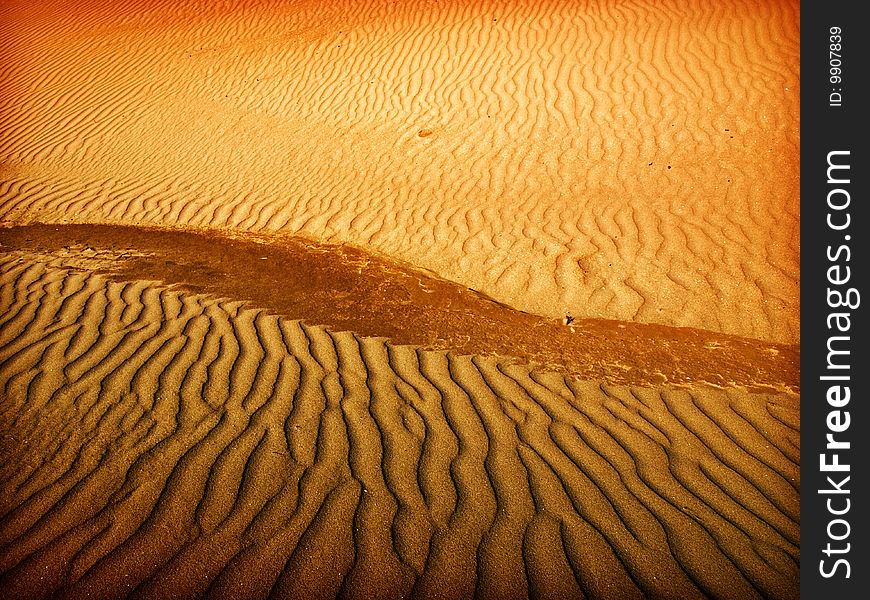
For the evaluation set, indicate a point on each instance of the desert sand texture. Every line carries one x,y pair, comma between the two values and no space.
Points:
621,160
415,299
159,443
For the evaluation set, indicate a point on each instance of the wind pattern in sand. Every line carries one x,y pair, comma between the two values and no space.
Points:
623,170
335,465
624,160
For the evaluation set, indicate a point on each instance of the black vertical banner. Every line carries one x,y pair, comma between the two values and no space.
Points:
835,368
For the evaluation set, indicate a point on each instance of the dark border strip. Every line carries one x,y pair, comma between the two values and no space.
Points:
834,265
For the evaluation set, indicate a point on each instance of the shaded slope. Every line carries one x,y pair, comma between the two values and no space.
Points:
154,440
345,288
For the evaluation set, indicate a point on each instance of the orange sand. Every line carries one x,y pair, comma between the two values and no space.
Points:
621,160
389,404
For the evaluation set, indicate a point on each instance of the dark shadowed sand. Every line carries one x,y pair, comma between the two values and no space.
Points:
159,441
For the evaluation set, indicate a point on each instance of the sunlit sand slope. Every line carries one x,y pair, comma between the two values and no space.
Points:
163,444
626,160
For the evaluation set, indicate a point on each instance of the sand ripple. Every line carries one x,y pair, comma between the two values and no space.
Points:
632,161
395,409
161,443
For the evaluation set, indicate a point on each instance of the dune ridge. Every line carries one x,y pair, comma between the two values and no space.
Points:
382,299
339,465
620,160
348,289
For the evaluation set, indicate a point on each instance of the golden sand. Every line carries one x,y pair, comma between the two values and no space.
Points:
622,160
376,299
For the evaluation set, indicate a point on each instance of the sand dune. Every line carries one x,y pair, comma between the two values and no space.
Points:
348,289
622,160
335,464
382,299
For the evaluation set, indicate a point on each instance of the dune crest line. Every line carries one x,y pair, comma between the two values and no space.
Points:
346,288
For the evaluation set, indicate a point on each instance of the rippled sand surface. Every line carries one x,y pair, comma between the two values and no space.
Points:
633,161
399,299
